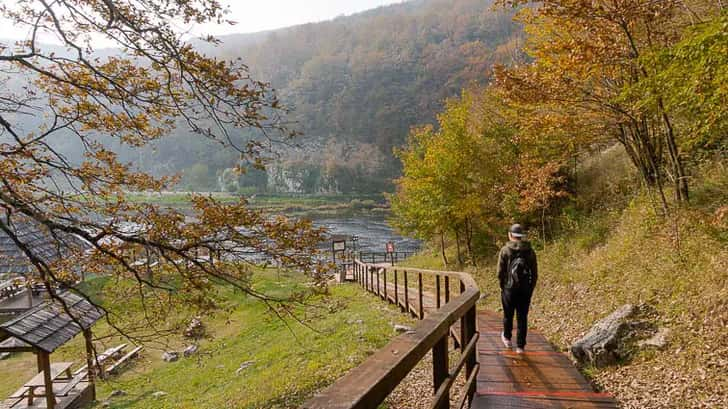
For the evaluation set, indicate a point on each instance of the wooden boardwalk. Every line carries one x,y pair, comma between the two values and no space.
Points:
540,378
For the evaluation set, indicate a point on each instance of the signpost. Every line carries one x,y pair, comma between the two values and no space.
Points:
390,251
339,246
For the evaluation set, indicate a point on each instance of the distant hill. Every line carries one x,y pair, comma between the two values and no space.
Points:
357,84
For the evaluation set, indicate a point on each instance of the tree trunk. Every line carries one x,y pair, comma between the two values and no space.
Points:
469,241
442,249
457,245
680,182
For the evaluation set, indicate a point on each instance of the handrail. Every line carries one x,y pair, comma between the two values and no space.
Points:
369,384
383,257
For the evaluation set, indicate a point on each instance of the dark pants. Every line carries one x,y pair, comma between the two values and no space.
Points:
518,302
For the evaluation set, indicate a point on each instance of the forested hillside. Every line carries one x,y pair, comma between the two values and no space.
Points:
611,147
355,85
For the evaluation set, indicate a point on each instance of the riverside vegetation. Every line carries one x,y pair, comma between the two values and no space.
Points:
290,205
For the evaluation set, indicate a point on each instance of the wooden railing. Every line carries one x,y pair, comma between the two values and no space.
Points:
377,257
369,384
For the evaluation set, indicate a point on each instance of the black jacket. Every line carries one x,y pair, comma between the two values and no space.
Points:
510,251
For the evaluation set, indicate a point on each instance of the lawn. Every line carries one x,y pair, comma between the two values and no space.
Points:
285,362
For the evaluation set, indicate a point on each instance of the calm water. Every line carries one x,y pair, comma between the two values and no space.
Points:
373,233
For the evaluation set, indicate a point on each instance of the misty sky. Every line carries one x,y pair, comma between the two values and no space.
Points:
259,15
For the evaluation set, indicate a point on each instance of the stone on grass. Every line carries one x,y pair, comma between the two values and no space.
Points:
658,341
245,365
159,394
190,350
616,337
604,343
117,393
170,356
195,329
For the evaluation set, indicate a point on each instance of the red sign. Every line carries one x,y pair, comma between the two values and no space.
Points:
390,247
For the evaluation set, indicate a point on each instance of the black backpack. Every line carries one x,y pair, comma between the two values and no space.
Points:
520,275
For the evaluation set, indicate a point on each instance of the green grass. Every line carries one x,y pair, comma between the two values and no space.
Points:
291,361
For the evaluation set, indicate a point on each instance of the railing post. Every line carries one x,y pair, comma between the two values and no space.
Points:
469,322
447,289
437,290
367,278
419,291
440,369
396,290
385,285
406,294
371,279
379,293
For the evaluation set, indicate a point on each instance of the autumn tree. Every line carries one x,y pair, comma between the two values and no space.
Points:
471,176
692,77
152,83
587,56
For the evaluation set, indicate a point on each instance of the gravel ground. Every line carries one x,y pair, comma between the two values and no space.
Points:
416,390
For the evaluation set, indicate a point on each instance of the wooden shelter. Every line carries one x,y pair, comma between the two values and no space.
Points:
17,270
42,330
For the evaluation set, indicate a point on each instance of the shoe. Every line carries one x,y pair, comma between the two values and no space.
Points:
507,342
520,351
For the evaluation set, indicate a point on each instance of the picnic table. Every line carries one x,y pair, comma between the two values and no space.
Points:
59,371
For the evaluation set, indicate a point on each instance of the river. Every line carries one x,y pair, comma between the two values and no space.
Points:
373,232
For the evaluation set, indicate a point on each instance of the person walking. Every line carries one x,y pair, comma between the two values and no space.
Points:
517,273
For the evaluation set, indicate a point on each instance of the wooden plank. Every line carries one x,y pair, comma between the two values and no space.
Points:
124,359
102,357
71,384
20,393
57,369
540,378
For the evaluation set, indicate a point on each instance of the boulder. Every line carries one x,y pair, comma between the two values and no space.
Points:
195,329
190,350
170,356
657,341
606,342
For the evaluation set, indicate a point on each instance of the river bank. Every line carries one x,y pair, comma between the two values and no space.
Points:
290,205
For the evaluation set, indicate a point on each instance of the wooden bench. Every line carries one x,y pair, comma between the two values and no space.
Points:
72,384
59,370
101,358
10,403
20,393
124,359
